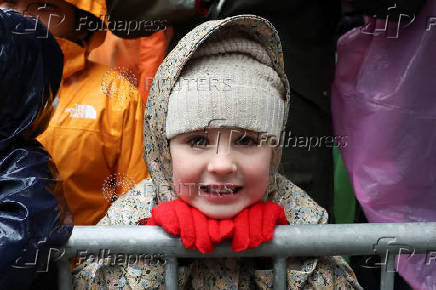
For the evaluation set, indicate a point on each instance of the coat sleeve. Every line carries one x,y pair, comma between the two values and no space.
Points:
32,227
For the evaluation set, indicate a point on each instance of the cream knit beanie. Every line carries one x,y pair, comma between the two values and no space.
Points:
228,82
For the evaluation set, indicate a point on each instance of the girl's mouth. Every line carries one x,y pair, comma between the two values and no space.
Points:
220,193
220,189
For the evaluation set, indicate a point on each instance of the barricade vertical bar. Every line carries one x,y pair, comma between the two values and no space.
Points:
280,273
171,273
387,273
65,280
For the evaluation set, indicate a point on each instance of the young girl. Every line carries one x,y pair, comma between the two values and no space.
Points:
214,101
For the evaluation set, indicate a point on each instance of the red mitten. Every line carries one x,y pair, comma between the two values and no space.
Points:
241,234
226,228
255,215
273,214
178,218
255,225
214,231
202,239
251,227
220,229
175,217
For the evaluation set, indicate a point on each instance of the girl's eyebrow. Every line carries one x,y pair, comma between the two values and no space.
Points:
245,132
198,132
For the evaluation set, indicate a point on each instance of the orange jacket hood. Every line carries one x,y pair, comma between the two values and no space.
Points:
74,54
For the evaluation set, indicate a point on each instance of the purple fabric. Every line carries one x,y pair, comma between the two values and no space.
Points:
384,101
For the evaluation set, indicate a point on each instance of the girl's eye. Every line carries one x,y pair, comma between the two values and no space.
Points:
199,141
245,141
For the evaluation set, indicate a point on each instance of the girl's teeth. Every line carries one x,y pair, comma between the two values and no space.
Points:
211,190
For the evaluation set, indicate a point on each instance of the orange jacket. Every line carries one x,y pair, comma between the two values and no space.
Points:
95,136
142,56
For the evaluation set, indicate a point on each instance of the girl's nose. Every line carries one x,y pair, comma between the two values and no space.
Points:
222,164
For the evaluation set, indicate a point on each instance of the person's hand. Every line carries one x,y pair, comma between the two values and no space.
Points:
251,227
178,218
255,225
220,229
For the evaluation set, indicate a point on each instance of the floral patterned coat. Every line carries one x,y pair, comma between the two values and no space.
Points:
224,273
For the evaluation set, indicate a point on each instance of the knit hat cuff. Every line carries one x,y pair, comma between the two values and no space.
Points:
242,107
229,83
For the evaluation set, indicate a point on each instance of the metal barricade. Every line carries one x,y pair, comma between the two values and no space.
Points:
385,239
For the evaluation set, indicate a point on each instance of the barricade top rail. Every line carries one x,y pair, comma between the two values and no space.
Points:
299,240
388,239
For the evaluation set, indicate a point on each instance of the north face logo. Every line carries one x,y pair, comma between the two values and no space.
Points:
82,111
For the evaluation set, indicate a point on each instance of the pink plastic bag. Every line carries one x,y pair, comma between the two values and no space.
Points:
384,101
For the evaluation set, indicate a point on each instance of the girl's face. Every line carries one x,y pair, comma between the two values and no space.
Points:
220,171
